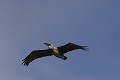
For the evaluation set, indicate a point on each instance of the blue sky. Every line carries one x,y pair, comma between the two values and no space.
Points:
26,24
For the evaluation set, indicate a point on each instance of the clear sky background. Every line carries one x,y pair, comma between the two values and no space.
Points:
26,24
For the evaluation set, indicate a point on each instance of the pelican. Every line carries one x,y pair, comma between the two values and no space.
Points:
52,50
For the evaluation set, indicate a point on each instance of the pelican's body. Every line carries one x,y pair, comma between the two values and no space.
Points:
52,50
55,51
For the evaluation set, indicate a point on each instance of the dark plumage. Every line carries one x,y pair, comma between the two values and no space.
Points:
36,54
69,47
56,51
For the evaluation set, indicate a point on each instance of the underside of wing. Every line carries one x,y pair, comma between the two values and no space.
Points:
36,54
69,47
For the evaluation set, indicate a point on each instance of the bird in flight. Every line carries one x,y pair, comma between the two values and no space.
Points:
52,50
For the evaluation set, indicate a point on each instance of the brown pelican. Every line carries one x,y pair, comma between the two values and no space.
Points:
56,51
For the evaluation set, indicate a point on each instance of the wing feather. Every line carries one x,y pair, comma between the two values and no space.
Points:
69,47
35,55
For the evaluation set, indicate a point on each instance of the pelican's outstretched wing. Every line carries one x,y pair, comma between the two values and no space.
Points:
36,54
69,47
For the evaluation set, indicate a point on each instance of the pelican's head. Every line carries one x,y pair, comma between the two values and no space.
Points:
50,46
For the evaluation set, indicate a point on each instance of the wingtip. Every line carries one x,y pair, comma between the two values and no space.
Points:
24,63
85,48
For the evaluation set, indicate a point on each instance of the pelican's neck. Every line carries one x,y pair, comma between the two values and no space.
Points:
51,46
